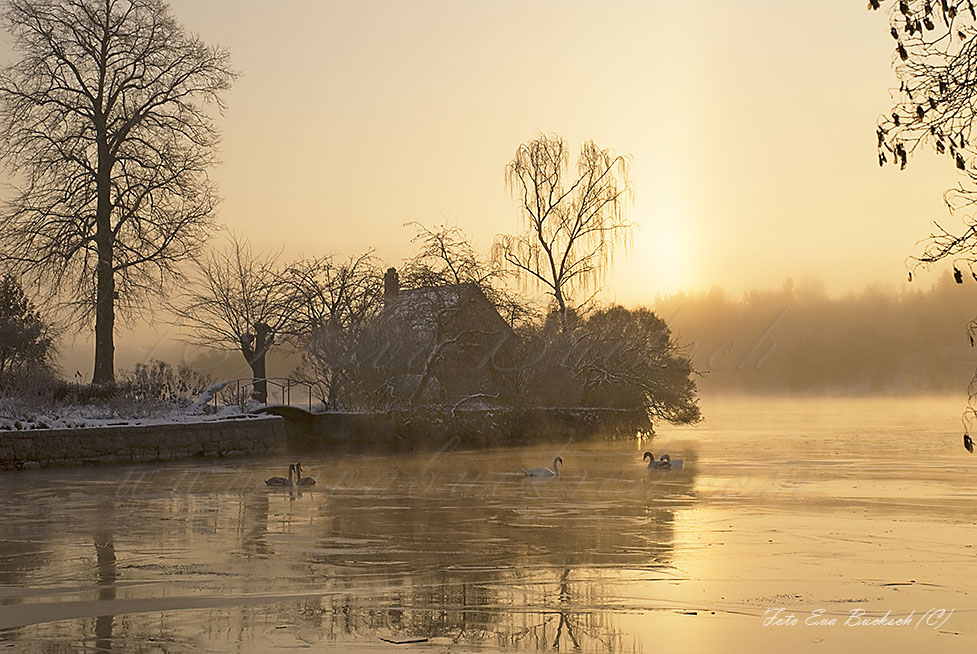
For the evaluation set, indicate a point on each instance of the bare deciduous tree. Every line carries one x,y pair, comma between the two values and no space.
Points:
445,256
105,116
334,301
239,301
573,221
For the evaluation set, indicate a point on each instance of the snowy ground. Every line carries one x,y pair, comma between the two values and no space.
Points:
79,417
17,416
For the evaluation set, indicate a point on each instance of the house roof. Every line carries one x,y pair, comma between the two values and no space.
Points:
425,307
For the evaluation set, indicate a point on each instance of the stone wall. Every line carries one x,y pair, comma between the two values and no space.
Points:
432,428
131,443
418,430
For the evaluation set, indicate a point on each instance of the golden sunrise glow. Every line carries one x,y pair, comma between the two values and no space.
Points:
752,141
743,129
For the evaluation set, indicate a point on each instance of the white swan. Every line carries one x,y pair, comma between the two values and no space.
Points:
544,472
673,464
281,481
665,463
303,481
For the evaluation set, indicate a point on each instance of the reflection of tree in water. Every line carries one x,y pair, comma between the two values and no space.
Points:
567,624
474,566
566,621
252,525
106,577
105,573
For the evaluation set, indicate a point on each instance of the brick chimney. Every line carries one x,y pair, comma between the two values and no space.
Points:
391,286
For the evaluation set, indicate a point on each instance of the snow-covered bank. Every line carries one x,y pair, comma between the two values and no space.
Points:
19,414
91,416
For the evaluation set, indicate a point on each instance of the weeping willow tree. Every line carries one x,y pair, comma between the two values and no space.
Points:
935,61
573,222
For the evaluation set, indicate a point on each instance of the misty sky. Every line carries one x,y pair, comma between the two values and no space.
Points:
751,126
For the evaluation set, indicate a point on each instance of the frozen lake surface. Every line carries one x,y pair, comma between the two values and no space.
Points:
834,506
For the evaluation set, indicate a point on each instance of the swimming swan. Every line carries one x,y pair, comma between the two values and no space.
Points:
653,464
673,464
665,463
303,481
281,481
545,472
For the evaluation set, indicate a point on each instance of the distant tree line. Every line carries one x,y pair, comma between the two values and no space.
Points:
797,339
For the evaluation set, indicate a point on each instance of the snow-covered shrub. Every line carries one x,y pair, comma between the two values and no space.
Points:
158,382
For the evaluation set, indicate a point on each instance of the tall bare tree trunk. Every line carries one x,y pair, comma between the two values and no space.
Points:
260,392
562,308
104,315
105,275
335,384
255,347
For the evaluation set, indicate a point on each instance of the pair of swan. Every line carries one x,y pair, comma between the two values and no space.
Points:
295,468
666,462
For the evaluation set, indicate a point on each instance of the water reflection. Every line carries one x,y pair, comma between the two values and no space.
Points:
453,547
106,574
791,505
252,525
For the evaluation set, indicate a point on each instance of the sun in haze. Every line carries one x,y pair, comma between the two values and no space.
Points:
658,260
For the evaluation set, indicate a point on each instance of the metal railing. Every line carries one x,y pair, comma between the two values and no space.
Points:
239,391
